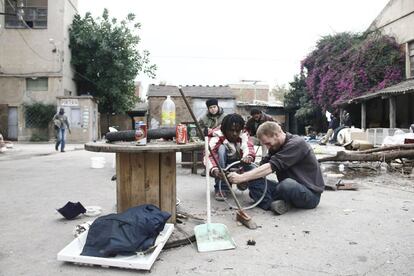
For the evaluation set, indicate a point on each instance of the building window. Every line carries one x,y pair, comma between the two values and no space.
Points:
411,57
37,84
34,14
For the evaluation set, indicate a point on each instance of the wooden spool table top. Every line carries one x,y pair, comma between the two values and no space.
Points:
131,147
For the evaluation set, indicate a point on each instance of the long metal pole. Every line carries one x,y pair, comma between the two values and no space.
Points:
200,131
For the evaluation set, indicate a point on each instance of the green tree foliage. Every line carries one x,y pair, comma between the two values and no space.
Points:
279,92
347,65
106,60
298,102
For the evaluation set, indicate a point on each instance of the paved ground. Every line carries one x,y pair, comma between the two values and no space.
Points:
365,232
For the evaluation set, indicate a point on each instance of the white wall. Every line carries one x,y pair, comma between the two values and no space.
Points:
397,20
68,71
28,52
402,29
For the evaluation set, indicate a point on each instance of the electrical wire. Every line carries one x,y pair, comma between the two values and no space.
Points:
39,55
73,6
255,203
24,39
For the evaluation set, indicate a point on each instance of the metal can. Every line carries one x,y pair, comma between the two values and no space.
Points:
192,132
181,134
141,133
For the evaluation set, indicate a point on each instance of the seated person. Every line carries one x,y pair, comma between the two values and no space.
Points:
292,159
213,116
211,119
229,144
258,118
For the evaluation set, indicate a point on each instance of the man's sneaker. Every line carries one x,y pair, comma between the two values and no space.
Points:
203,173
220,196
280,207
242,186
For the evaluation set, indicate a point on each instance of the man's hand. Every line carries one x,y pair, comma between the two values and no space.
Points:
235,178
248,159
70,132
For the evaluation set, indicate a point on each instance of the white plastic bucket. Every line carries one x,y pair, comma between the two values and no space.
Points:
97,162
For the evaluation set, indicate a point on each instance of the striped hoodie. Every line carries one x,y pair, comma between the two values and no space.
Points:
242,148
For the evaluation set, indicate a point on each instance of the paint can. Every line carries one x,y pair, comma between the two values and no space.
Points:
181,134
192,132
140,133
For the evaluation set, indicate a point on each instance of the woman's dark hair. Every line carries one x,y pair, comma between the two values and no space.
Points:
230,120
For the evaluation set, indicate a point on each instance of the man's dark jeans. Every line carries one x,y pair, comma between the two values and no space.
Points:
288,190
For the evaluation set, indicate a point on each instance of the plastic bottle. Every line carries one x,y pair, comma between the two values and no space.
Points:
168,113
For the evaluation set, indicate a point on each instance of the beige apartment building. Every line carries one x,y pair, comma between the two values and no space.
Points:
35,64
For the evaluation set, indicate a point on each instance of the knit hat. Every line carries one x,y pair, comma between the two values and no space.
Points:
211,102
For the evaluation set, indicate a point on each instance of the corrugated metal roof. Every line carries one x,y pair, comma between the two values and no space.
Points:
194,91
400,88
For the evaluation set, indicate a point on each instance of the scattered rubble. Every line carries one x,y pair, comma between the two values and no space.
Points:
251,242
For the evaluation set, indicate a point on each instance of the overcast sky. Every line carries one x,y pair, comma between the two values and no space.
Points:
224,41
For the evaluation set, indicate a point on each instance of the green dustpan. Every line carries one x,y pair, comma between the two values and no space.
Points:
212,236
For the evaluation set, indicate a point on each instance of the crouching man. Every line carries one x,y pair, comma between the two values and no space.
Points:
292,159
229,144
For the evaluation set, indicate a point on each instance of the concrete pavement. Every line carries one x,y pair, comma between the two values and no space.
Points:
365,232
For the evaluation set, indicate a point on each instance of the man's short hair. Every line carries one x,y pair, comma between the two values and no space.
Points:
269,129
230,120
255,111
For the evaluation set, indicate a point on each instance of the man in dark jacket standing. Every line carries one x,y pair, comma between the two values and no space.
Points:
292,159
258,118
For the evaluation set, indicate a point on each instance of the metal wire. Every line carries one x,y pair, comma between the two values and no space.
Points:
254,204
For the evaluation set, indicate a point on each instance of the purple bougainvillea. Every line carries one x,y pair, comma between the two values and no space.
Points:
348,65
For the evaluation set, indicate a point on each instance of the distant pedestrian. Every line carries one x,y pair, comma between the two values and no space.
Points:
346,119
60,121
333,124
344,123
258,118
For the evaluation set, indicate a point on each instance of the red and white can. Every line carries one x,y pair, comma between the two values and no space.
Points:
141,133
181,134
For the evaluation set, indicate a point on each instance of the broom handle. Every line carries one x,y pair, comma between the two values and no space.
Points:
200,132
207,183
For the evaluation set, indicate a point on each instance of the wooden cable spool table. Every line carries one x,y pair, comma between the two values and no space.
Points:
145,174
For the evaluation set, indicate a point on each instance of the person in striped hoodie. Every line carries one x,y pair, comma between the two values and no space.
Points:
229,143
